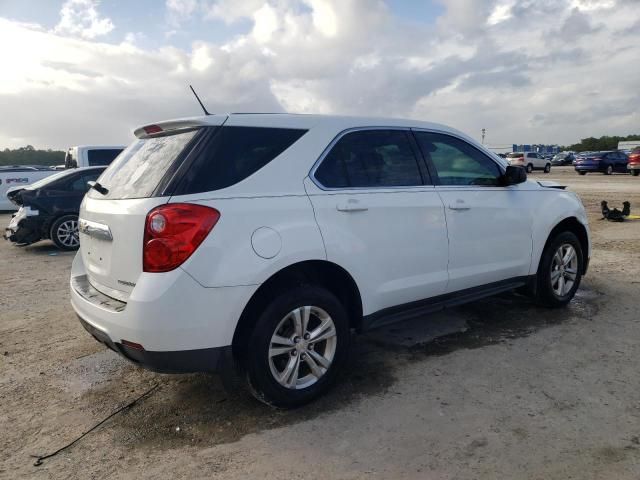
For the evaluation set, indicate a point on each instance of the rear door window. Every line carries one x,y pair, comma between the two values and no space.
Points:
370,158
231,154
80,184
102,157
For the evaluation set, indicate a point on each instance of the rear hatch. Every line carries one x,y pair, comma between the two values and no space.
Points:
112,217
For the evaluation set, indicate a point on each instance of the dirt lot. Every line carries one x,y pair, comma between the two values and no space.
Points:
523,392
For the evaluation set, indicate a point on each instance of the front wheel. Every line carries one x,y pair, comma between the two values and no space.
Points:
560,270
609,170
582,173
529,168
64,232
547,168
298,347
635,173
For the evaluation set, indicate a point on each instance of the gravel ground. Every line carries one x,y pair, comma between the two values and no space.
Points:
519,392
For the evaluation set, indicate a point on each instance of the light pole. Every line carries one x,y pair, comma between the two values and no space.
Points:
484,131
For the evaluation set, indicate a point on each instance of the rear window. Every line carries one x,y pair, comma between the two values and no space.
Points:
515,155
195,161
138,170
102,157
228,155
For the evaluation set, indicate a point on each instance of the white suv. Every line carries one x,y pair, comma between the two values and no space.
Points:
529,160
260,241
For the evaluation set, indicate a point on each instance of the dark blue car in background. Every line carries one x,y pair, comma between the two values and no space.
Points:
603,162
49,208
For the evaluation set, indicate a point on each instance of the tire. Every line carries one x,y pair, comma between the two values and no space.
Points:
529,168
582,173
558,279
608,170
635,173
318,363
547,168
64,232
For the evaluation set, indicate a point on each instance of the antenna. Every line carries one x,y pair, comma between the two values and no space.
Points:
198,98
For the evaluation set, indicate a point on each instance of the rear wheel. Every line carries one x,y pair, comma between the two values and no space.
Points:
547,168
582,173
530,168
559,272
635,173
608,170
297,347
64,232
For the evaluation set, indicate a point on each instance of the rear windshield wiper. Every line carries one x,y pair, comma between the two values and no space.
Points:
96,186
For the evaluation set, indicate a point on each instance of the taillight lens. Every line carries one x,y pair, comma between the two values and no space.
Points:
173,232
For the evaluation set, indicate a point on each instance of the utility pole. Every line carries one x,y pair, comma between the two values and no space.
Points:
484,131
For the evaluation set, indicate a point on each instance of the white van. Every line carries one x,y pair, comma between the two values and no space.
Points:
19,176
91,155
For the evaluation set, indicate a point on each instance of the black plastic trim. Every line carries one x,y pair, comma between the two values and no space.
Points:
178,361
421,307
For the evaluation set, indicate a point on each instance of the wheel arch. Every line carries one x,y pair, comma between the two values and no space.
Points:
316,272
575,226
53,218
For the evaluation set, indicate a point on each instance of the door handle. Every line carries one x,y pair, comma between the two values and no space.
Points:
351,205
459,205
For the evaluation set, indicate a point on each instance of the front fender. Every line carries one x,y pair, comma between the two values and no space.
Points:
551,208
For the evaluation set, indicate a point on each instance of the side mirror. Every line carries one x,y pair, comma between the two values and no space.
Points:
514,175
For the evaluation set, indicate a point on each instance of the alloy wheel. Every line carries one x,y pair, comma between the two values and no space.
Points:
67,233
302,347
564,269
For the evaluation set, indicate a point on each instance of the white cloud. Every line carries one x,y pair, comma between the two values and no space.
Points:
265,23
81,17
180,10
528,71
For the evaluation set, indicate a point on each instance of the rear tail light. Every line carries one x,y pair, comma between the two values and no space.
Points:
173,232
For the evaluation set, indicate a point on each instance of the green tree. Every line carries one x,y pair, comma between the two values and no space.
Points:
598,144
29,155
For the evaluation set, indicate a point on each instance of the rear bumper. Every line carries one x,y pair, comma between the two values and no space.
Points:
24,231
594,167
180,325
181,361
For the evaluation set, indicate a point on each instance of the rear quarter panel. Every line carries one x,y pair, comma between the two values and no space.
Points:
229,256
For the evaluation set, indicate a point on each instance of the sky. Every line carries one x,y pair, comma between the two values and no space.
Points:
528,71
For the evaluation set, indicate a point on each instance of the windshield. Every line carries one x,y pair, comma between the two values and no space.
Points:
137,171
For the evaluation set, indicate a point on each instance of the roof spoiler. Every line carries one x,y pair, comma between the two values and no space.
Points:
170,126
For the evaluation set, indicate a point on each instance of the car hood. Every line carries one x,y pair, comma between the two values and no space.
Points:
14,194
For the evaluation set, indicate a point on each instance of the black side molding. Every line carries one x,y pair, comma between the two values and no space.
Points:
422,307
